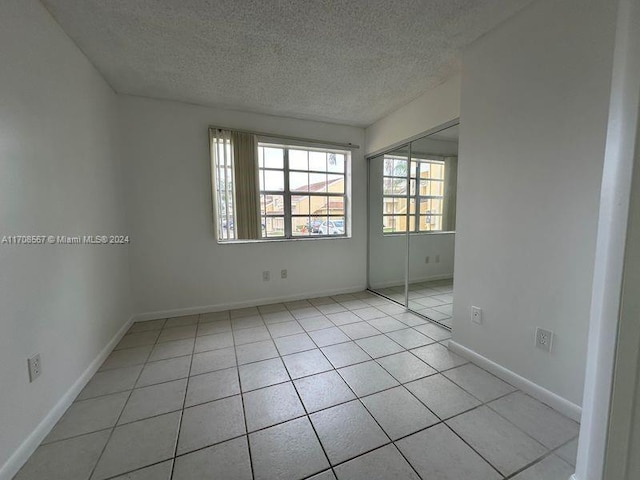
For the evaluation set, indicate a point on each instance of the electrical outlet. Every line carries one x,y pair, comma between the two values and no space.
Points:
437,258
476,315
426,259
266,276
544,339
35,367
283,273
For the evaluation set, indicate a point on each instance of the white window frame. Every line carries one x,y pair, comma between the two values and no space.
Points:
297,144
414,197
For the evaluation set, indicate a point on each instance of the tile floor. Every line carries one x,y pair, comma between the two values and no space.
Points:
346,387
432,299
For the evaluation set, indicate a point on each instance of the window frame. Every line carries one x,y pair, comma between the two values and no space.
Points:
287,194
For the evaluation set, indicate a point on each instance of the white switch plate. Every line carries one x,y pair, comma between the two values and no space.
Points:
35,367
283,273
476,315
266,276
544,339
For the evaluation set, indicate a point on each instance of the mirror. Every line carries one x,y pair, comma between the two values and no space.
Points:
412,215
387,224
434,168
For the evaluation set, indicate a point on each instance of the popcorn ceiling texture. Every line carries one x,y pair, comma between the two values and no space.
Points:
349,62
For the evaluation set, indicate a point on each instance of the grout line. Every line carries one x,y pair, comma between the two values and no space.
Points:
184,402
244,413
104,448
307,414
304,407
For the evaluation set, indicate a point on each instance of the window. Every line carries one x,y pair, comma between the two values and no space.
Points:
300,191
425,198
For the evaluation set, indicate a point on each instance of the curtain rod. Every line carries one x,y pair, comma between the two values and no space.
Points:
348,146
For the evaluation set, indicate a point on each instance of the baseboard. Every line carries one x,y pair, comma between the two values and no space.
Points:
573,477
178,312
29,445
555,401
400,283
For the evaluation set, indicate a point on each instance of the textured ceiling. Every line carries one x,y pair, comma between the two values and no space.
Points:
341,61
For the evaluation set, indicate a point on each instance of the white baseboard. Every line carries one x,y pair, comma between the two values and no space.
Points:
400,283
178,312
555,401
29,445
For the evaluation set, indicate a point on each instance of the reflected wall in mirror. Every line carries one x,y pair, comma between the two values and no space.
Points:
412,216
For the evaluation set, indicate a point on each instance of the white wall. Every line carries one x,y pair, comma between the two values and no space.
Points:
534,112
60,176
176,263
433,108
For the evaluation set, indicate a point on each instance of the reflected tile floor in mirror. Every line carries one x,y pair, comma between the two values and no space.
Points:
334,387
432,299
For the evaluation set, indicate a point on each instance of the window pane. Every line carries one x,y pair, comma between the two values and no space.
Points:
400,168
273,227
315,223
414,169
299,205
335,183
300,226
298,182
261,157
394,223
335,162
332,226
430,223
437,170
399,206
387,205
272,180
318,161
317,182
395,186
298,160
273,157
272,204
335,226
387,186
319,205
336,206
430,205
388,166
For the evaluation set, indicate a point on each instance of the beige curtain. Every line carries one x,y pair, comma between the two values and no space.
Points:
450,194
245,165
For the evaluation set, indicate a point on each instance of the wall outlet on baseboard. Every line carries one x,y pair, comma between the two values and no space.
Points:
266,276
283,273
544,339
35,367
476,315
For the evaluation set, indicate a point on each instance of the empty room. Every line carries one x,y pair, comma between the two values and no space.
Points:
317,239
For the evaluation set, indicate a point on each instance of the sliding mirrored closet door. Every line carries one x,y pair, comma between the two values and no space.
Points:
388,246
412,215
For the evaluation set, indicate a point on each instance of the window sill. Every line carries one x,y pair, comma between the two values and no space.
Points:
402,234
283,240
